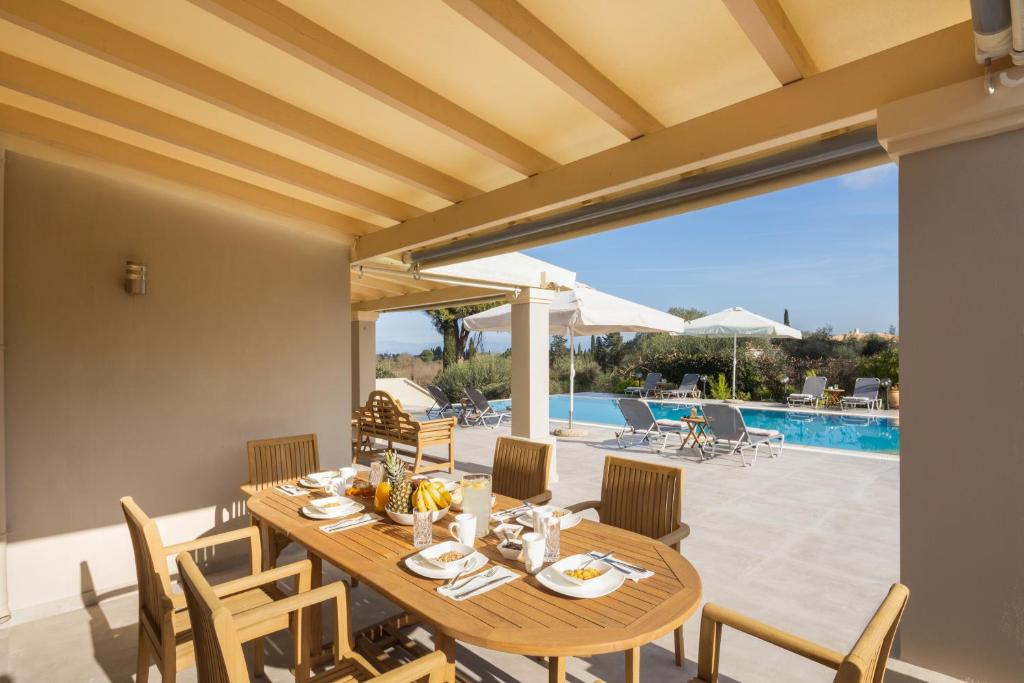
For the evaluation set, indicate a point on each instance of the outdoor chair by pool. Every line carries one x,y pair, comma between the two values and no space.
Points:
645,498
812,393
865,663
649,387
521,469
641,421
687,388
218,633
730,434
865,394
442,406
480,410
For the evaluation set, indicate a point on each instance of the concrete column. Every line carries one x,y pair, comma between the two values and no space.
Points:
530,346
961,204
364,355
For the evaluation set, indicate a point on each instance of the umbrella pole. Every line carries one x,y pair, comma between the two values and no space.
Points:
572,374
734,366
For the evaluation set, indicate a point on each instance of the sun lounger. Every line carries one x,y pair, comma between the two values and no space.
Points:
480,410
865,394
730,434
812,393
687,388
442,405
649,387
641,421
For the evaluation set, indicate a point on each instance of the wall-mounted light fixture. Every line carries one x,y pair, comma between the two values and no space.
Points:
134,277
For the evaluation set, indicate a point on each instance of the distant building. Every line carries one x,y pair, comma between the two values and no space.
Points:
857,334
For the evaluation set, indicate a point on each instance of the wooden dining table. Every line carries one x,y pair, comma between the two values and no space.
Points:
522,616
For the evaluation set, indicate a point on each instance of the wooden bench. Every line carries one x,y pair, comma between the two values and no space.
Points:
383,419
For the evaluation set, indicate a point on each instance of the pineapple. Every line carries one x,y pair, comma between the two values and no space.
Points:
401,486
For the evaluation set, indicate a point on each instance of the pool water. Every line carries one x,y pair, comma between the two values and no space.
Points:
848,431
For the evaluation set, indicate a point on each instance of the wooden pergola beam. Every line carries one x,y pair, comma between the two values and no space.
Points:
28,78
435,298
92,145
90,34
831,101
306,40
773,36
526,36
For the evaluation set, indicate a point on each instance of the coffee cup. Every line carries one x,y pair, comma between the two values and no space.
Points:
463,529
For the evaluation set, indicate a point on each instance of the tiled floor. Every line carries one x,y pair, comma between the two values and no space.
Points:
808,542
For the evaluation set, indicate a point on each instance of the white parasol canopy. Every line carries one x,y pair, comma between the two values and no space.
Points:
584,310
738,322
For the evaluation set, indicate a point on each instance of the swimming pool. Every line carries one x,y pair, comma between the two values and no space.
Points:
847,431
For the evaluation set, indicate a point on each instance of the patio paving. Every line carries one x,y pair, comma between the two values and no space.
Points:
808,542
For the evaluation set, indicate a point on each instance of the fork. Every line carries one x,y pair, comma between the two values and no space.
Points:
483,575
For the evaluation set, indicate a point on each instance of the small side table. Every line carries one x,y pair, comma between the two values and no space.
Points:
833,397
697,431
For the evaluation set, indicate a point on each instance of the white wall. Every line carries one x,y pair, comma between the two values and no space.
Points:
244,334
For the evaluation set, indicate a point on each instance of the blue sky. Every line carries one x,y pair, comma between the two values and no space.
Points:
827,251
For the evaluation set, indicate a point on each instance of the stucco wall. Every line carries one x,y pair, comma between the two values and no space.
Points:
244,334
962,441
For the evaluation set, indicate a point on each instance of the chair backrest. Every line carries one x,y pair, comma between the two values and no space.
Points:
477,398
439,396
272,461
651,381
866,661
637,414
219,657
689,382
643,497
866,387
725,422
150,563
384,417
520,467
815,386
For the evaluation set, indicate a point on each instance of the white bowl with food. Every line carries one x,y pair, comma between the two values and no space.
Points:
584,571
447,554
330,505
318,479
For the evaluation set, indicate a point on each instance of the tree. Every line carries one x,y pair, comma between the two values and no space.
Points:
609,349
687,313
785,317
558,348
427,355
448,322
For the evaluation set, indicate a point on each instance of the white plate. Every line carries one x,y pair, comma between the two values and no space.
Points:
313,513
551,577
566,521
425,567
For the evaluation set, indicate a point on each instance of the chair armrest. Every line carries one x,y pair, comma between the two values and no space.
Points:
539,499
338,592
250,533
714,617
585,505
302,571
429,665
673,537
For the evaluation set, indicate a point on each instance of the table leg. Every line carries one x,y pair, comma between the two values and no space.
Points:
315,615
556,669
446,644
633,665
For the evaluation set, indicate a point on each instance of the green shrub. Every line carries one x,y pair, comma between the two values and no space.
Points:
719,388
490,374
884,365
384,370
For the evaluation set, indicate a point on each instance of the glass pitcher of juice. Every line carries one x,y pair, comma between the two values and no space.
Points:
476,500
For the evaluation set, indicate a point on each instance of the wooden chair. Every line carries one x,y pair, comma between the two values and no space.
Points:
275,461
383,419
645,498
865,663
165,633
219,633
521,469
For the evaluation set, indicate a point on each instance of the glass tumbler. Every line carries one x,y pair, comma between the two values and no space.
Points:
422,528
476,500
552,530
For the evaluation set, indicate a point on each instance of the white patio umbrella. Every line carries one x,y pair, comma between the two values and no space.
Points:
738,322
584,311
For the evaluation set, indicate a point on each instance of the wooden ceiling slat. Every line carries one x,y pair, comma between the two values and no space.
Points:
531,40
769,29
56,134
83,31
306,40
67,92
435,298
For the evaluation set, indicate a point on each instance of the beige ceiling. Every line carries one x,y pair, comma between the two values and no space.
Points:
478,111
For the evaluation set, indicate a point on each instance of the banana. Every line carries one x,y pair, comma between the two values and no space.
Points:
435,495
429,501
418,499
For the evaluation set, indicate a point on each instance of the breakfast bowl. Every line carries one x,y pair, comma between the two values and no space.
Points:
330,505
447,554
318,479
583,572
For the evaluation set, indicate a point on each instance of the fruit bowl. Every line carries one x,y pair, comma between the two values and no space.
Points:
406,519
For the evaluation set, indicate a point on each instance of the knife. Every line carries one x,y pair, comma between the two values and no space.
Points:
615,562
347,523
466,594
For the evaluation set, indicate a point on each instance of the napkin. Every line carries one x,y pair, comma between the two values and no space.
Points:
631,571
505,515
289,490
478,585
346,524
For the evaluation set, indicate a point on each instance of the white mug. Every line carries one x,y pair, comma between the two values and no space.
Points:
533,552
463,529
